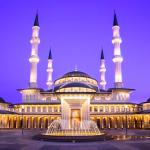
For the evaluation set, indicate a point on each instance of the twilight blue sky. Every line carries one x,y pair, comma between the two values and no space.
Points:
76,30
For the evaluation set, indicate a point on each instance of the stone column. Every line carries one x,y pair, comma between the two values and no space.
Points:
25,122
28,121
20,122
102,123
38,120
48,121
142,122
35,122
16,122
128,121
12,122
109,122
115,122
96,120
134,122
44,120
122,122
31,122
41,122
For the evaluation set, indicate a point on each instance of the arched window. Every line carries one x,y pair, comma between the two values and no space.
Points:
102,98
26,97
117,97
48,98
34,97
30,97
121,97
124,97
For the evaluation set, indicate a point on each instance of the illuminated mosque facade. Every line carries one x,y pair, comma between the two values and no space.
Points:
76,96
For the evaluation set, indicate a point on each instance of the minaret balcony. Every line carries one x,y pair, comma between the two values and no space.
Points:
116,39
34,58
49,82
35,40
102,82
49,69
102,69
117,58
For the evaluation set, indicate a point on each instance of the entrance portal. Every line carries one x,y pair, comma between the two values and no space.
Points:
75,118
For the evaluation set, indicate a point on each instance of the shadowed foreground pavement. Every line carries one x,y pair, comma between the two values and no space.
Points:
14,140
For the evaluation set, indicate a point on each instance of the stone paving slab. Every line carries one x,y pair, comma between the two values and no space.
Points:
14,140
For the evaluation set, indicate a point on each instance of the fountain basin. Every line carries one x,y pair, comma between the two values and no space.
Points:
74,138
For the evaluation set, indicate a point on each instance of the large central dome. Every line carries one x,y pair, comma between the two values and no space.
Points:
76,74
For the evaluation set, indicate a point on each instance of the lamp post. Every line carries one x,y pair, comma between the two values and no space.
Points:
22,118
126,119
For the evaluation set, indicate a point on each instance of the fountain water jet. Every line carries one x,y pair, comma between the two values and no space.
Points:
61,128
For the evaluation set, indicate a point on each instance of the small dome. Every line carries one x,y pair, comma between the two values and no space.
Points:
148,101
76,74
2,100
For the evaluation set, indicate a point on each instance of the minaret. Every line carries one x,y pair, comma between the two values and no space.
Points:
34,59
49,70
117,58
102,70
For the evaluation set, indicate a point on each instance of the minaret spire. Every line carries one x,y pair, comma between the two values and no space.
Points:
102,54
36,22
115,23
50,55
117,58
34,59
102,70
49,71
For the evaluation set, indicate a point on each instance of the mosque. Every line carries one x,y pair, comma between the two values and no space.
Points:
76,96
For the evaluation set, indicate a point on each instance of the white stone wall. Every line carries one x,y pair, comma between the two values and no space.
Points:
64,110
121,96
146,106
3,106
86,110
35,95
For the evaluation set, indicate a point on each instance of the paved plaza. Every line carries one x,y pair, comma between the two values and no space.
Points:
14,140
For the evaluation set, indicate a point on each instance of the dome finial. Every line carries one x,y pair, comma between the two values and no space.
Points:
75,67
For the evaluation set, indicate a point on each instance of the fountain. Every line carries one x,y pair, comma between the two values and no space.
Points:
84,128
68,129
65,130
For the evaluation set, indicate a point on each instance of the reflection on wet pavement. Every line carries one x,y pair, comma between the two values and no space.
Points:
126,137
